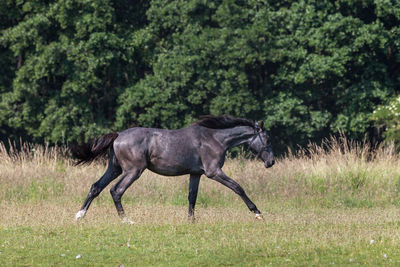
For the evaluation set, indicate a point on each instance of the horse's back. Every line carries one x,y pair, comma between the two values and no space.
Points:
167,152
175,152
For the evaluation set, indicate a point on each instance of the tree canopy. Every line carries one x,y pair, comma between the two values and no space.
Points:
74,69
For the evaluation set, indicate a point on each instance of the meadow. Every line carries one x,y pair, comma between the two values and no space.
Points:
333,204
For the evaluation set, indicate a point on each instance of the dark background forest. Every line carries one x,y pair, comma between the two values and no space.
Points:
75,69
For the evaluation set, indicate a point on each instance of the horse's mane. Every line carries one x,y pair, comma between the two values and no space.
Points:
222,122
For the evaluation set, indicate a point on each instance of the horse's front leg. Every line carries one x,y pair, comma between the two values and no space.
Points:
221,177
193,189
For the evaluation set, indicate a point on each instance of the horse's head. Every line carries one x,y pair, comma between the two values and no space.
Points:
260,145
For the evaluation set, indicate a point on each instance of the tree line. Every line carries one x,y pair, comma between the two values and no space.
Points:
75,69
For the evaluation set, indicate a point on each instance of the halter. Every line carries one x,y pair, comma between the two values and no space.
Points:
265,146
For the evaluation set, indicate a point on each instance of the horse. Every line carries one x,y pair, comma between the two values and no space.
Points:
195,150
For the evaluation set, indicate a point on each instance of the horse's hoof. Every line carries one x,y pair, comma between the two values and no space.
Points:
191,219
259,216
126,220
79,215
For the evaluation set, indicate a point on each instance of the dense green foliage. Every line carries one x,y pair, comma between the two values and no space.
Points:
388,117
74,69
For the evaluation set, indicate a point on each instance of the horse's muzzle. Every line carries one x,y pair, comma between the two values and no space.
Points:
269,163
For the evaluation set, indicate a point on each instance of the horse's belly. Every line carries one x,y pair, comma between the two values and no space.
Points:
170,168
173,171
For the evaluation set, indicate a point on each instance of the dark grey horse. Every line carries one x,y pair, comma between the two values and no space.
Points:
194,150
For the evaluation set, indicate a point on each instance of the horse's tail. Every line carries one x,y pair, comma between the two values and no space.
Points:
87,152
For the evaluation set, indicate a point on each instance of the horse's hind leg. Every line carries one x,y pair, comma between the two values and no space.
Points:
112,172
119,189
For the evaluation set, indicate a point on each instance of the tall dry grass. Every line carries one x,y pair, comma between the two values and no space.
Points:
339,172
304,198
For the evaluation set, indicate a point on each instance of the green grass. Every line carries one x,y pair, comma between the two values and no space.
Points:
287,238
321,208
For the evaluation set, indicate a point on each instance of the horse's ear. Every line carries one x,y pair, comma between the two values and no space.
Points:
261,125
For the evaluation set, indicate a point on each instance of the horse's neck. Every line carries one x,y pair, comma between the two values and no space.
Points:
235,136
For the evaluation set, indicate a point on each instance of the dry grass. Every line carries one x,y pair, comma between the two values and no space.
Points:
338,173
331,204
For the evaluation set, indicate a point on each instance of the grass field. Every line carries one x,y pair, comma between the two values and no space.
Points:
336,205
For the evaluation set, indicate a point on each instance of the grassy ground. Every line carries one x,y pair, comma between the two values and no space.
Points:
321,207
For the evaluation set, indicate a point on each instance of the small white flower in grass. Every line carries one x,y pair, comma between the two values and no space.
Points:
351,260
385,256
371,241
78,256
22,247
